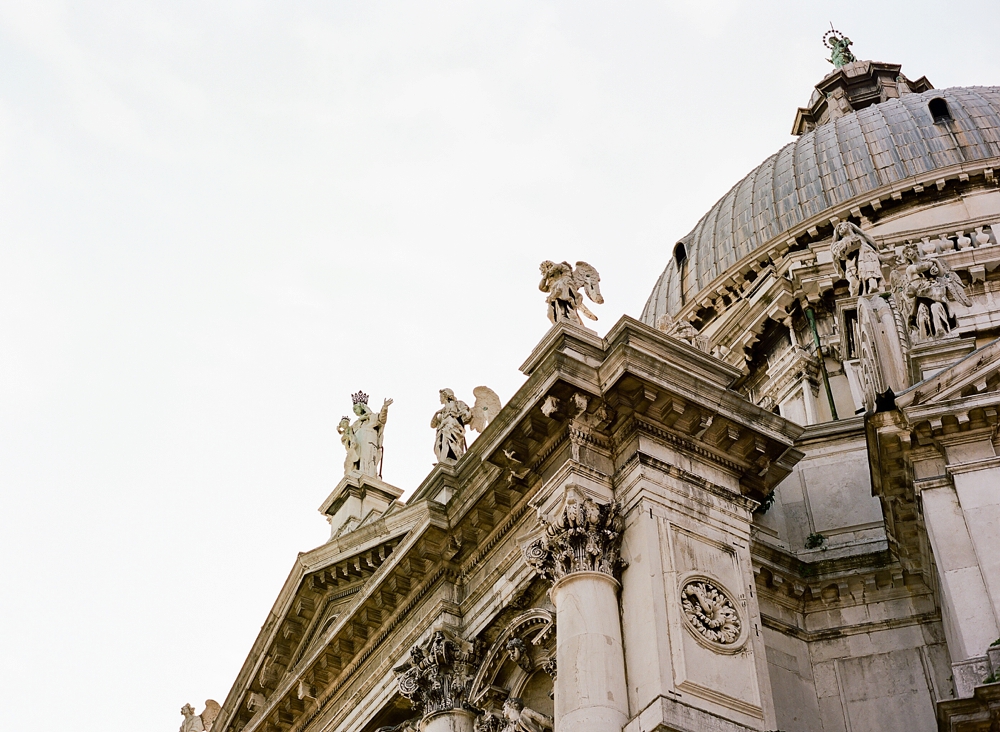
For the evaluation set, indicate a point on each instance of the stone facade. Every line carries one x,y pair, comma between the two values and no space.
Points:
771,504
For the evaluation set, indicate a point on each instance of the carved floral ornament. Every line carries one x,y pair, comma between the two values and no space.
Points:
584,537
711,614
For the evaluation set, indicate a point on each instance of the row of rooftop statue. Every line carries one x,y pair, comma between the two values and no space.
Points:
922,288
362,438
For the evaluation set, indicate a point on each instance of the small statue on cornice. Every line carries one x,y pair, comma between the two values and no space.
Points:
200,722
682,330
924,289
455,415
857,259
363,439
563,283
840,48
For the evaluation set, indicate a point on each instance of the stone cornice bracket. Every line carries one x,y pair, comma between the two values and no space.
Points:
438,674
585,536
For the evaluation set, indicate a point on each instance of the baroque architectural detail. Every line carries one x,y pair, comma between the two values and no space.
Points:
518,652
710,612
455,415
923,288
438,675
200,722
857,259
840,48
525,645
363,439
563,283
523,719
585,537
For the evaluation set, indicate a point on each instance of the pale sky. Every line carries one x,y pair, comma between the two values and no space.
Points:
220,219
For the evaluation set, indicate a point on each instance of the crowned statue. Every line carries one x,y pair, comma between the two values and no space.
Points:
455,415
562,283
362,440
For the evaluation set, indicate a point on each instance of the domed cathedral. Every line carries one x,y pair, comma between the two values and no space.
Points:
773,503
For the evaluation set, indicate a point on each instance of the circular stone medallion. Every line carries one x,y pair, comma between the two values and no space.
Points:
711,614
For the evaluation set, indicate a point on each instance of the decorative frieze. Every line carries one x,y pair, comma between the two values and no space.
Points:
438,675
585,537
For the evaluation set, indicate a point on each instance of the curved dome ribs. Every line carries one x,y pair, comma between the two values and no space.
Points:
859,157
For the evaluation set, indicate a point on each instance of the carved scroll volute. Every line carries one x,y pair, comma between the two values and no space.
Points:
583,536
438,674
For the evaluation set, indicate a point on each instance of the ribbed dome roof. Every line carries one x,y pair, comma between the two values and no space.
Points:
856,154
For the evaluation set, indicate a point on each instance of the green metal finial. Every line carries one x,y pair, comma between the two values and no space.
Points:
839,45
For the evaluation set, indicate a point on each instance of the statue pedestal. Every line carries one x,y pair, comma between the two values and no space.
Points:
590,687
356,496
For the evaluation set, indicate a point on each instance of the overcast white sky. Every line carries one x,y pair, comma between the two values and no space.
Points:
219,219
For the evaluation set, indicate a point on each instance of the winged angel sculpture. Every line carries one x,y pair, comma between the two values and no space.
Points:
924,289
455,415
200,722
563,283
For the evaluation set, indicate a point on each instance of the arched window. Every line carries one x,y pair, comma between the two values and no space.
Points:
680,254
680,261
939,110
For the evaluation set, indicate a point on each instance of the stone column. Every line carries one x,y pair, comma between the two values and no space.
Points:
450,720
436,679
579,554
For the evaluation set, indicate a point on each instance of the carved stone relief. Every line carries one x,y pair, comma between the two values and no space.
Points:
710,612
524,648
513,688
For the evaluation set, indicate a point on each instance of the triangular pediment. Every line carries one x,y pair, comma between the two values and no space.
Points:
973,376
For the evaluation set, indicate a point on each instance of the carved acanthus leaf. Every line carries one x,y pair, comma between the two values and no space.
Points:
585,537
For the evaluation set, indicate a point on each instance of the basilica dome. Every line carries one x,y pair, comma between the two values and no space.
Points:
849,159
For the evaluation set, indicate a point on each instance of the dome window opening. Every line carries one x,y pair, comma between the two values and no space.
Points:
680,261
680,255
939,110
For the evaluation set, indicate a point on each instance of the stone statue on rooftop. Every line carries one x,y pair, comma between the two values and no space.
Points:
563,283
840,47
455,415
363,439
200,722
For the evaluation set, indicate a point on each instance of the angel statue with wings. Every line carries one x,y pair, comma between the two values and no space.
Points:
563,283
923,289
200,722
455,415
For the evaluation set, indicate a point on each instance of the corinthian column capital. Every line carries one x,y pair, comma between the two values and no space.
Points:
583,536
437,676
